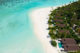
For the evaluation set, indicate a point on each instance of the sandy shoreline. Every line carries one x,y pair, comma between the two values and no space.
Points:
39,19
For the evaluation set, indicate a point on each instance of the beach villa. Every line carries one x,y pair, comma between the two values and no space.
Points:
69,45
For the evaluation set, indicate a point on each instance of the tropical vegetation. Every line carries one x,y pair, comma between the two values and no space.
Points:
53,43
64,22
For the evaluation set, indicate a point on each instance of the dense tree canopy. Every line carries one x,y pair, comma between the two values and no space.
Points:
68,15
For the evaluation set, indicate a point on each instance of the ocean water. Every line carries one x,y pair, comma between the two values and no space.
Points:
16,29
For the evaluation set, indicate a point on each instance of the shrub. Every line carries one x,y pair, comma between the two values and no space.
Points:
53,43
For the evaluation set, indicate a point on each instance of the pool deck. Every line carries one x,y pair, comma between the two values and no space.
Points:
59,49
58,46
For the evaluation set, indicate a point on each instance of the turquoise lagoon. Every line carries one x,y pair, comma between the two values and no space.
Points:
16,29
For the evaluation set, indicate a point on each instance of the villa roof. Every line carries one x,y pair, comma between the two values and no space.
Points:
68,41
71,47
58,16
64,31
61,25
69,44
58,20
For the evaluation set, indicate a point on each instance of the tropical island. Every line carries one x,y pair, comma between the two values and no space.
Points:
64,27
23,27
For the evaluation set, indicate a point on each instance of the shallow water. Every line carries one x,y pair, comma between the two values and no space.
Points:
16,31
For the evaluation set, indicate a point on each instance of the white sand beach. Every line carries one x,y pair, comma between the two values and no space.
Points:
39,19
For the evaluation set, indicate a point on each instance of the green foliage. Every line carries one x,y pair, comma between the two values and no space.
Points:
72,12
78,40
78,51
54,43
53,36
74,52
71,15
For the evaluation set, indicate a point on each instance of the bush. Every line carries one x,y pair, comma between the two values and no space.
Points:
74,52
53,43
53,36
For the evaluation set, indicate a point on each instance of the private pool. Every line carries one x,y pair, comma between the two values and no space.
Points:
60,45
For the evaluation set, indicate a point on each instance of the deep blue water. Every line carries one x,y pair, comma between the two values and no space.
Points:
16,29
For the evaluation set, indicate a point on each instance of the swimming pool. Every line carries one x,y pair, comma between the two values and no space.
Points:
60,45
